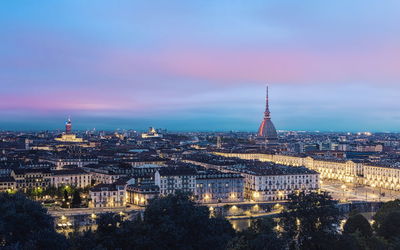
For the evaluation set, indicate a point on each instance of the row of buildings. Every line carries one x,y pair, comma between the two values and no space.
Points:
206,186
24,179
263,181
208,182
385,176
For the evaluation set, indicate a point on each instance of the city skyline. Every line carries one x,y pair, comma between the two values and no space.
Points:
183,124
203,67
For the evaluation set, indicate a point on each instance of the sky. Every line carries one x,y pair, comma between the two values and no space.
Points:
200,65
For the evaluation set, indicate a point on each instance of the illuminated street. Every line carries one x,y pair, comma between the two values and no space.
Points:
351,192
83,211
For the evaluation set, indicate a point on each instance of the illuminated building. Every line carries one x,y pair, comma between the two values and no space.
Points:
214,186
104,176
140,194
79,161
346,171
387,177
267,129
7,184
263,180
271,182
70,177
68,126
31,178
377,175
152,133
107,195
68,136
172,179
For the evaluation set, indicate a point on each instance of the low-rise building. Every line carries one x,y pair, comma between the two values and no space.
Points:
60,162
103,174
72,177
141,194
107,195
382,176
7,184
31,178
276,183
215,186
172,179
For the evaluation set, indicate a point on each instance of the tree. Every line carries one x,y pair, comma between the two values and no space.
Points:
177,223
106,236
66,198
260,235
50,191
76,199
385,210
172,222
390,226
358,222
65,202
310,220
24,224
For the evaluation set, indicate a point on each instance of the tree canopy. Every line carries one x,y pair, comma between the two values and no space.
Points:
172,222
259,236
358,222
310,220
24,224
385,210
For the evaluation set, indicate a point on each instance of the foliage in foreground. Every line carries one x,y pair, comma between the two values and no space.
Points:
24,224
309,221
172,222
260,235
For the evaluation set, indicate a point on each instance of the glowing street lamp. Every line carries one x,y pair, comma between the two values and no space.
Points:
256,195
344,188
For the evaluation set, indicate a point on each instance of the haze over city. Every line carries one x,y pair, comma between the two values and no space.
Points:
185,65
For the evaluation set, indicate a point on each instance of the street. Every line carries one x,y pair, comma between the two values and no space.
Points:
56,212
350,192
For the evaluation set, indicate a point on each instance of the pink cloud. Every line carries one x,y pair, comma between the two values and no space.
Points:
293,65
65,100
288,66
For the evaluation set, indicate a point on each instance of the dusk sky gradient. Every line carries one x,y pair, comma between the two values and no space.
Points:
200,65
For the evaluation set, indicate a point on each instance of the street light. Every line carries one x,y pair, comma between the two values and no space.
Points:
344,188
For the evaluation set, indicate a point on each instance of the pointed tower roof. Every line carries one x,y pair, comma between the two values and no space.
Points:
267,129
267,113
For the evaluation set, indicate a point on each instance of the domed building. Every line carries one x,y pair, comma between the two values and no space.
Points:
68,136
267,131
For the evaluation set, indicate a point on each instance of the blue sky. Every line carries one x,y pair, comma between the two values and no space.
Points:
200,65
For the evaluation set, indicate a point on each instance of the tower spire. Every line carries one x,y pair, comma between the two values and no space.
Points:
68,126
267,113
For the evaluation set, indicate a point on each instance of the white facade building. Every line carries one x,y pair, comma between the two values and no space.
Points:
172,179
72,177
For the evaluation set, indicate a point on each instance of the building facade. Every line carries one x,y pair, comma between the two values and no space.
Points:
353,171
7,184
107,195
262,185
31,178
141,194
216,187
172,179
70,177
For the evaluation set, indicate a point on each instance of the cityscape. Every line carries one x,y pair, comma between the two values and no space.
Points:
122,133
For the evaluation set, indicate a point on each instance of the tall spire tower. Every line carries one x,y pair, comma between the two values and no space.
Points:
267,113
68,126
267,129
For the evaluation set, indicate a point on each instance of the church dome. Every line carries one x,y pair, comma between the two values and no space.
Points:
267,130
